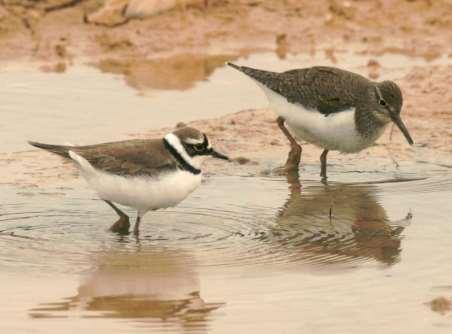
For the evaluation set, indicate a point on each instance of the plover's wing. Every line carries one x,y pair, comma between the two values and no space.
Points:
126,158
325,89
129,158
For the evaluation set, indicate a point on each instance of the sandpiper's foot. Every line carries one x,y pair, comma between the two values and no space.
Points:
292,162
122,225
294,157
136,228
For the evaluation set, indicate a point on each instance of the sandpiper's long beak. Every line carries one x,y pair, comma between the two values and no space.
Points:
398,121
218,155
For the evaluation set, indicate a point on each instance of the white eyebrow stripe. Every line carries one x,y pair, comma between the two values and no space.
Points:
193,141
174,141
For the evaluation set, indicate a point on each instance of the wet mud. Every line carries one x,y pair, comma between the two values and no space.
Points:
208,264
250,250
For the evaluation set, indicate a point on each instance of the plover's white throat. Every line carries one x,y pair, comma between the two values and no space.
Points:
142,174
331,108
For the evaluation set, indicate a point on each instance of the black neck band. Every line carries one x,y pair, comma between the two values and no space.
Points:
185,165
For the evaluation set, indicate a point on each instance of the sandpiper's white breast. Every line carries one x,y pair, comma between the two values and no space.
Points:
142,193
336,131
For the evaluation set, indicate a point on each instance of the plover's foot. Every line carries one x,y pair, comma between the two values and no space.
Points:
121,226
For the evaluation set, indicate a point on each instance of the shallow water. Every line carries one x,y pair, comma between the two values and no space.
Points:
241,254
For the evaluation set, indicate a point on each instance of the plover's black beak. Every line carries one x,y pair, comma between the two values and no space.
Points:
218,155
398,121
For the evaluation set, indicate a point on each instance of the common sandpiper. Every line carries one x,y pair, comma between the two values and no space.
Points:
329,107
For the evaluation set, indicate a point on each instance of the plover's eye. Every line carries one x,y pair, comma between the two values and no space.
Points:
382,102
198,148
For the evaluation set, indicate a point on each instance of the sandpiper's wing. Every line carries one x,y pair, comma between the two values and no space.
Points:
326,89
126,158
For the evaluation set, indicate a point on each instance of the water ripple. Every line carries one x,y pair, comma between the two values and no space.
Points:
251,221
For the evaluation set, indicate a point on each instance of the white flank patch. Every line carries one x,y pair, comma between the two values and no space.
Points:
85,167
142,193
333,132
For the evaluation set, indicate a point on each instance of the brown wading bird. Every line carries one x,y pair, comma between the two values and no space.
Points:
334,109
145,174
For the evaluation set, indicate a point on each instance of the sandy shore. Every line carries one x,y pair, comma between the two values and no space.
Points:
55,33
254,135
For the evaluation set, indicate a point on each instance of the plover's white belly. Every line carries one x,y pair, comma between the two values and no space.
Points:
336,131
143,193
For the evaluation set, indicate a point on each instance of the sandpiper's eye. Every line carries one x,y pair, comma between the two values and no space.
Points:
382,102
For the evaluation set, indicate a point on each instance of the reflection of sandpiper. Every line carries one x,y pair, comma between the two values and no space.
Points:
147,286
338,223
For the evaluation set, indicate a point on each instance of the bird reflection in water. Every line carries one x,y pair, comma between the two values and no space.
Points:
334,223
148,286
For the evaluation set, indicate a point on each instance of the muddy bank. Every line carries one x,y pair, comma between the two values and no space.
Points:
256,143
59,31
150,51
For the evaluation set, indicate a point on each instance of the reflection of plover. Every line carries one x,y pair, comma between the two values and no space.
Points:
142,174
331,108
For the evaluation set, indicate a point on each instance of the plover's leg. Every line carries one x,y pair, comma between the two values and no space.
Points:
323,164
123,224
293,159
136,228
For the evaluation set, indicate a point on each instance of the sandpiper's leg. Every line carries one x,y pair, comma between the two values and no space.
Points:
293,159
136,228
323,164
123,224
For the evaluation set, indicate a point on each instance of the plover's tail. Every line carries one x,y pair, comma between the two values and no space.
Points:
86,168
266,78
57,149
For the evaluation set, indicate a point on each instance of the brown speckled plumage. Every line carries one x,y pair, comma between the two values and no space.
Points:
330,90
127,158
329,107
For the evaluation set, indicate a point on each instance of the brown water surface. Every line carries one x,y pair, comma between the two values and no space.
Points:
362,253
238,249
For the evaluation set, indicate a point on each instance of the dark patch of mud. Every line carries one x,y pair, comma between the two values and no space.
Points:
441,305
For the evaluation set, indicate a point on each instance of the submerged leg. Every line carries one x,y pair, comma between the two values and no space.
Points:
323,164
123,224
293,159
136,228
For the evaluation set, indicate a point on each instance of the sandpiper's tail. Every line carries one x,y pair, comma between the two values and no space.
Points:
57,149
267,78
